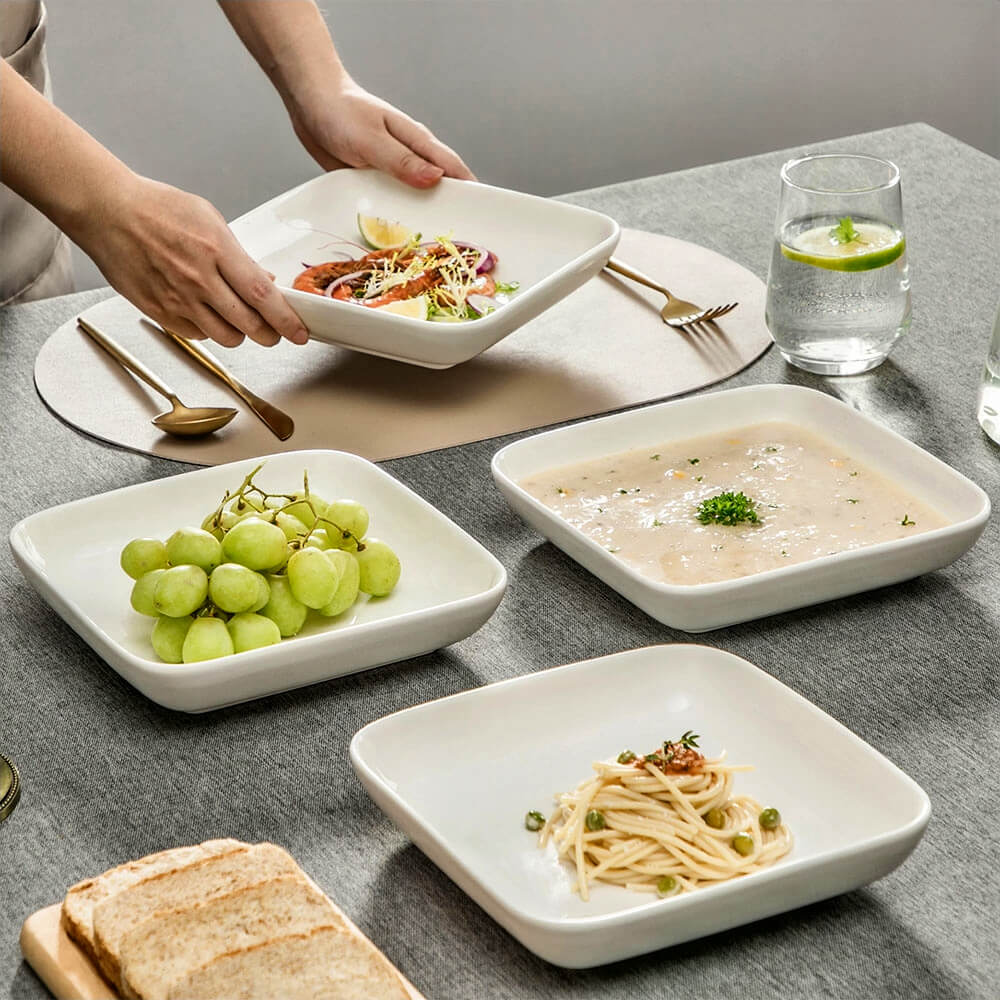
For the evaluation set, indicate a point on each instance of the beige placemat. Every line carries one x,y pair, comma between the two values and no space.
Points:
601,349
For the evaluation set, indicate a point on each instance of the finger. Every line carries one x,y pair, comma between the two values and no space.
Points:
239,315
384,151
182,327
250,282
215,327
424,143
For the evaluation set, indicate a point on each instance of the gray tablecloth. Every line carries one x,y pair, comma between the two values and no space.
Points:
912,669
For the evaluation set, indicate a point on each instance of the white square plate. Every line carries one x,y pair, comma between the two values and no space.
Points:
450,585
700,607
459,774
551,248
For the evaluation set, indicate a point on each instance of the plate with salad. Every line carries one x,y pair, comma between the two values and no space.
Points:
428,277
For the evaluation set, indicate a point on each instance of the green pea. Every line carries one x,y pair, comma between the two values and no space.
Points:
534,821
770,819
595,820
626,757
743,844
666,884
715,818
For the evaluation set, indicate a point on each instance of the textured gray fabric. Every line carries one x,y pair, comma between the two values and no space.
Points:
912,668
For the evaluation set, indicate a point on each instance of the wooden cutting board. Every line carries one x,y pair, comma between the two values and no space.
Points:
69,974
602,348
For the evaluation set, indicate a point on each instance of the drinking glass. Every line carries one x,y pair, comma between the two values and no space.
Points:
838,289
988,406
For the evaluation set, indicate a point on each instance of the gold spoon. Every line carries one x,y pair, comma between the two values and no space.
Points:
184,421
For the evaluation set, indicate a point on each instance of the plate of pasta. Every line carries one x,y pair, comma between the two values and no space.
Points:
615,806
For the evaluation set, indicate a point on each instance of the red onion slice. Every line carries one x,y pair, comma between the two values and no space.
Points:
337,282
481,304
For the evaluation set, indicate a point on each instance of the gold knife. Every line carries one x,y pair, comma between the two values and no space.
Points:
280,424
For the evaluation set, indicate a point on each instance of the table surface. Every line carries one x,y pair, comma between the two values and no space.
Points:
108,776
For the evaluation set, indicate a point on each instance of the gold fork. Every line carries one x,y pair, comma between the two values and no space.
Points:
676,312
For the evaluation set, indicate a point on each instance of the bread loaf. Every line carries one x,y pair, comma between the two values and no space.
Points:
82,898
115,916
158,952
327,964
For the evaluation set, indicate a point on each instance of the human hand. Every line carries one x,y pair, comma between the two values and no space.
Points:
348,127
172,255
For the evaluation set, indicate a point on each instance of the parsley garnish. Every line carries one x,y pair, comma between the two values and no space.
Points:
851,500
906,522
560,491
689,739
655,458
770,447
693,461
698,479
844,232
657,524
727,508
852,473
626,757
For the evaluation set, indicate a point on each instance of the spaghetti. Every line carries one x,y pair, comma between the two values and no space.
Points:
666,822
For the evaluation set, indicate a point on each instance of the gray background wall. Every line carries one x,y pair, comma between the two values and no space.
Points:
547,96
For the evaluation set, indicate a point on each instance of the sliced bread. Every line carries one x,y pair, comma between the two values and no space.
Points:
82,898
158,952
327,964
215,876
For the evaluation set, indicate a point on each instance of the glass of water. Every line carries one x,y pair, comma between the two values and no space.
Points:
988,407
838,289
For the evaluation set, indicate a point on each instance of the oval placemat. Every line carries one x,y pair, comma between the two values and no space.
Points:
601,349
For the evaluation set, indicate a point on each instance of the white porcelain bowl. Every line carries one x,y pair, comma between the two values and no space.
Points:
551,248
698,608
450,585
458,775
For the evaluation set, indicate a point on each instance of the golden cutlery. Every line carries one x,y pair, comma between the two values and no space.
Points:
181,420
279,423
676,312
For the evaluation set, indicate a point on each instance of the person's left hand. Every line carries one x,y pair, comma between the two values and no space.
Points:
349,127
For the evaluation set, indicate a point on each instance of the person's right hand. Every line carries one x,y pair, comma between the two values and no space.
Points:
172,255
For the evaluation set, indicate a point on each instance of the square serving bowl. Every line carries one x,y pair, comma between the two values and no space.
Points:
549,247
701,607
450,585
458,775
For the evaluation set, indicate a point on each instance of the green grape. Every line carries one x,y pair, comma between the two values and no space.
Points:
212,527
319,539
143,555
255,543
180,591
194,547
379,568
347,589
290,525
312,577
263,593
283,608
250,631
307,510
143,590
234,588
168,638
350,517
206,639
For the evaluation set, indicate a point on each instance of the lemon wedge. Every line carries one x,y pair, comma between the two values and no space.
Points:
876,246
381,234
415,308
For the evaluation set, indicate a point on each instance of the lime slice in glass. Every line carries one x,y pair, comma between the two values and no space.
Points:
381,234
876,245
415,308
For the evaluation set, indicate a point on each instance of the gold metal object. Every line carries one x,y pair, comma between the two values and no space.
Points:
279,423
676,312
181,420
10,787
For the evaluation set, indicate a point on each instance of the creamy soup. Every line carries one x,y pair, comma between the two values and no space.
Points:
810,498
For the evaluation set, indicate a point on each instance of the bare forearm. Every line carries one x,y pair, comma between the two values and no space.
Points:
291,43
53,163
